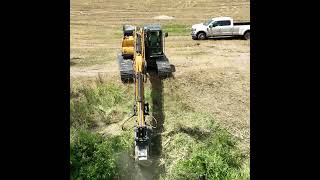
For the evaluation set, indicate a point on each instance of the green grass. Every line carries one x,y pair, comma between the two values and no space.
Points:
106,103
216,157
192,144
118,34
177,29
94,157
196,146
172,29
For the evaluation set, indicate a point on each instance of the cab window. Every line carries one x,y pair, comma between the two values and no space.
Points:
224,23
155,38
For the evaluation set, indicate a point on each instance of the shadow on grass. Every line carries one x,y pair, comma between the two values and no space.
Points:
72,63
194,132
157,113
152,169
226,38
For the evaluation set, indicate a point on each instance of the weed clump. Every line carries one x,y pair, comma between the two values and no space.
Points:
216,157
103,103
94,157
91,157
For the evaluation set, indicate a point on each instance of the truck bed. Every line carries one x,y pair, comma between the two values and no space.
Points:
241,23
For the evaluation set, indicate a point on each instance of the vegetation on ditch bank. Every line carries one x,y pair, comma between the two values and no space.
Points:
104,103
192,144
215,158
95,157
91,156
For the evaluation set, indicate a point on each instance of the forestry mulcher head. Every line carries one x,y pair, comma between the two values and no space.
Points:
142,137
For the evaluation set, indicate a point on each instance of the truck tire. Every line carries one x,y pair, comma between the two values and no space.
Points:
202,36
246,35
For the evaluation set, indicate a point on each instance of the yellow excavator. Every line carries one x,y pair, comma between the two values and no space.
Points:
142,56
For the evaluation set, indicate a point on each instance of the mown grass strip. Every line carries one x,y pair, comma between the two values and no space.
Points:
177,29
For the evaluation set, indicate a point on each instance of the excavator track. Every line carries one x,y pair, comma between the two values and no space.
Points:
163,67
126,69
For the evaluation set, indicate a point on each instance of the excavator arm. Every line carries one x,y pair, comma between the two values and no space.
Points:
142,137
133,49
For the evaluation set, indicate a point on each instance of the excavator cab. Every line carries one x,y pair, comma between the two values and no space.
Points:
154,41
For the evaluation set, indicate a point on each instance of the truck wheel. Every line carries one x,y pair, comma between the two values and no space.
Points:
202,36
246,35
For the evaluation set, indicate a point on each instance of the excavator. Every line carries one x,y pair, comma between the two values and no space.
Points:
142,55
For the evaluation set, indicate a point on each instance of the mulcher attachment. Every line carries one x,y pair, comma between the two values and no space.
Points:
142,139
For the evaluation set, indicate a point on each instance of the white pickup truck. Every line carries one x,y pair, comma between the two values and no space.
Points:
220,26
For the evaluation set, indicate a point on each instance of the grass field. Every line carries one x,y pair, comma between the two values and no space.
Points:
204,111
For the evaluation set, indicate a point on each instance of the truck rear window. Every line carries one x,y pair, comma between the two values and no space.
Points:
224,23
